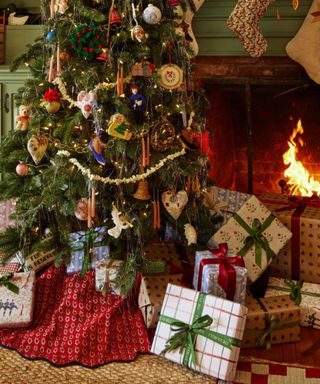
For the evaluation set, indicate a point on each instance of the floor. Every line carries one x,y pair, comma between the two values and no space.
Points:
306,352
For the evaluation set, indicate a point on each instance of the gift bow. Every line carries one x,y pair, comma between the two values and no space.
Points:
295,293
273,324
5,281
227,273
185,337
301,203
256,238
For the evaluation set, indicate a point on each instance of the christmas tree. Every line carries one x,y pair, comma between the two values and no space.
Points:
115,136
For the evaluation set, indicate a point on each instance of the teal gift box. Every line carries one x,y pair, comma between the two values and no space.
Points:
87,249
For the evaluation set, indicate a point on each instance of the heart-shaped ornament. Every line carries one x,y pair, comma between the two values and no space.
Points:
86,100
174,202
37,146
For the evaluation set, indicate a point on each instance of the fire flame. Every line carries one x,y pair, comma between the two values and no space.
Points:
299,180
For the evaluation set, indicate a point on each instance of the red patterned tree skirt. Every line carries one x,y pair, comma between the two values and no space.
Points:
75,324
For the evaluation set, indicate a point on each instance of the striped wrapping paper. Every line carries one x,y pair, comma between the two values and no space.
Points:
229,318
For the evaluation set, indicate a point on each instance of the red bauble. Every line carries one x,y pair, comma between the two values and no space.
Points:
173,3
22,168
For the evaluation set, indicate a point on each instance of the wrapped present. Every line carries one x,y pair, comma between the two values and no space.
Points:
271,320
144,69
306,295
106,274
36,260
16,299
221,274
224,202
299,259
151,295
11,266
200,331
254,233
87,248
175,261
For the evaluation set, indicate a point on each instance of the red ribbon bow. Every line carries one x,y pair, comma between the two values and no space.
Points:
301,203
227,273
23,117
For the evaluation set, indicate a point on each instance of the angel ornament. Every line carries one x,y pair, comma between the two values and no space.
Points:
120,222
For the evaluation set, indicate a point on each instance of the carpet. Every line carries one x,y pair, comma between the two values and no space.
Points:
145,369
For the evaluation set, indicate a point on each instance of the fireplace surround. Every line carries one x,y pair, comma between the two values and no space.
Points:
254,105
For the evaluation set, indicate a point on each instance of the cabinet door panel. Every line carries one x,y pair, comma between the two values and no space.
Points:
8,109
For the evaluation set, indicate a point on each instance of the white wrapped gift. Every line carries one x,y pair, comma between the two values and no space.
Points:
217,342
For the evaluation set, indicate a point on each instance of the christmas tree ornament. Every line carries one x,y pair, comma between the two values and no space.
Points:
144,69
115,17
64,56
120,81
85,101
179,15
162,135
103,55
118,127
156,210
174,202
137,104
172,3
23,120
142,191
190,234
138,33
61,6
152,14
170,76
51,100
51,35
37,146
97,147
244,22
120,222
87,41
22,168
81,211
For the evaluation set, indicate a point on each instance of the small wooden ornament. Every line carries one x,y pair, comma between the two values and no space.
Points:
174,202
81,211
162,136
170,76
37,146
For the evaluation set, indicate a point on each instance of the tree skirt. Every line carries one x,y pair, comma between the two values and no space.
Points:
73,323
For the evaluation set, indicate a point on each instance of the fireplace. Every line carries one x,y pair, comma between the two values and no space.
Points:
252,116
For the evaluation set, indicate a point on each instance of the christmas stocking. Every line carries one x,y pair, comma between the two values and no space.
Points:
304,48
244,22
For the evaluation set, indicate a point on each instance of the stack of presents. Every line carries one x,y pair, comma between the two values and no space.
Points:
255,285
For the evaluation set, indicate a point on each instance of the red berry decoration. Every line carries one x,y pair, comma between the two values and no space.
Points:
22,168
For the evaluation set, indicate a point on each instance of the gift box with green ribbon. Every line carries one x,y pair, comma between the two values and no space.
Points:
200,331
16,299
306,295
87,248
299,259
254,233
271,320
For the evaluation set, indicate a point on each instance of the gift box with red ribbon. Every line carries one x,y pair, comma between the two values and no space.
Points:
221,274
299,259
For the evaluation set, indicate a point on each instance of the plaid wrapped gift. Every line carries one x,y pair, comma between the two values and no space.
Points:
211,329
17,293
224,202
306,295
87,249
151,295
254,233
299,259
272,320
9,268
106,275
221,274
